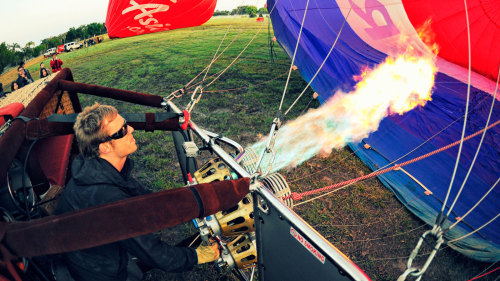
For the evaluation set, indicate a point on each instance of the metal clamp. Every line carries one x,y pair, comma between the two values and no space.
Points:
414,271
174,95
271,139
194,99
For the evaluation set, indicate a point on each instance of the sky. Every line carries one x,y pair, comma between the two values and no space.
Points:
23,21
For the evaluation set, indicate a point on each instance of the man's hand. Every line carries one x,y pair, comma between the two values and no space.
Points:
208,253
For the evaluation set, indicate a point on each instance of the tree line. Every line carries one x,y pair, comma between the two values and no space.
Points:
13,54
251,11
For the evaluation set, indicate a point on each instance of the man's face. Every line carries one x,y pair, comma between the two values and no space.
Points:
42,65
20,71
123,146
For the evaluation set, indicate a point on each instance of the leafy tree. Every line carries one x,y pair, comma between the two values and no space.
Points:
71,35
221,13
251,11
6,56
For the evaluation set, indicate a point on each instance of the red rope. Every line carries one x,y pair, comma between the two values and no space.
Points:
298,196
477,277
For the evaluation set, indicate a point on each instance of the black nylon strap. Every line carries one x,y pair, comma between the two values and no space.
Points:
198,200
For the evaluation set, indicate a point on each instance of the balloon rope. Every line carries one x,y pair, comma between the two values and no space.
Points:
294,54
241,88
484,270
297,196
217,73
215,55
384,237
237,57
489,272
466,112
222,72
322,64
478,147
187,86
472,232
471,209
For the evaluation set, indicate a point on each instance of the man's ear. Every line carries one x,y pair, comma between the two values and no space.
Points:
104,148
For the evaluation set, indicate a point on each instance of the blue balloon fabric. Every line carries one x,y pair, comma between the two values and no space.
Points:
417,132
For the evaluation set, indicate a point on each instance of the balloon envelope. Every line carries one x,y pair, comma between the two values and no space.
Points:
135,17
369,31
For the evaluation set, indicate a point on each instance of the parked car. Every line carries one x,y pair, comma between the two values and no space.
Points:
60,49
49,52
68,47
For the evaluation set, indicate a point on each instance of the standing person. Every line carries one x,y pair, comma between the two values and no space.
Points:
101,173
22,78
26,71
43,71
55,63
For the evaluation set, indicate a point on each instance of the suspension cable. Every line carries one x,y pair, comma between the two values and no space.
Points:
235,59
478,147
294,54
371,223
225,49
258,31
215,55
298,196
476,230
241,88
471,209
322,64
465,119
217,73
381,238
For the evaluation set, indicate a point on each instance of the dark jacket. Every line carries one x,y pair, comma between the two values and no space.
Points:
95,182
28,75
21,81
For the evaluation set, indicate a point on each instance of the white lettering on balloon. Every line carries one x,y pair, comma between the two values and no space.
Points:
145,16
377,17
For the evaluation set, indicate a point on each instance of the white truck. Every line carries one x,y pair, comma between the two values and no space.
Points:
68,47
49,52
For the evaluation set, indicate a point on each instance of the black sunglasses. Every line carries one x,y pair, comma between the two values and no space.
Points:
120,134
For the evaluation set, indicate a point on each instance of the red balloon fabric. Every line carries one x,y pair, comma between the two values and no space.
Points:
135,17
448,21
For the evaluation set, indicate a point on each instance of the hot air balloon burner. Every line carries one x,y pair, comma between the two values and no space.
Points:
214,170
240,253
237,220
248,160
277,184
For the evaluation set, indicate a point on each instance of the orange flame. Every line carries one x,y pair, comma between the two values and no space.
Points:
428,36
394,87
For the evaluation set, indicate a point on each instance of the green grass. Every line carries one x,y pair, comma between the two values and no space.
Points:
365,220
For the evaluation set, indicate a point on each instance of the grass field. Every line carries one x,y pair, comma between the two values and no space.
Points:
364,220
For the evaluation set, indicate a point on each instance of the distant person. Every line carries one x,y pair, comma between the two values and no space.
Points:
22,78
2,93
28,75
55,63
14,86
43,71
